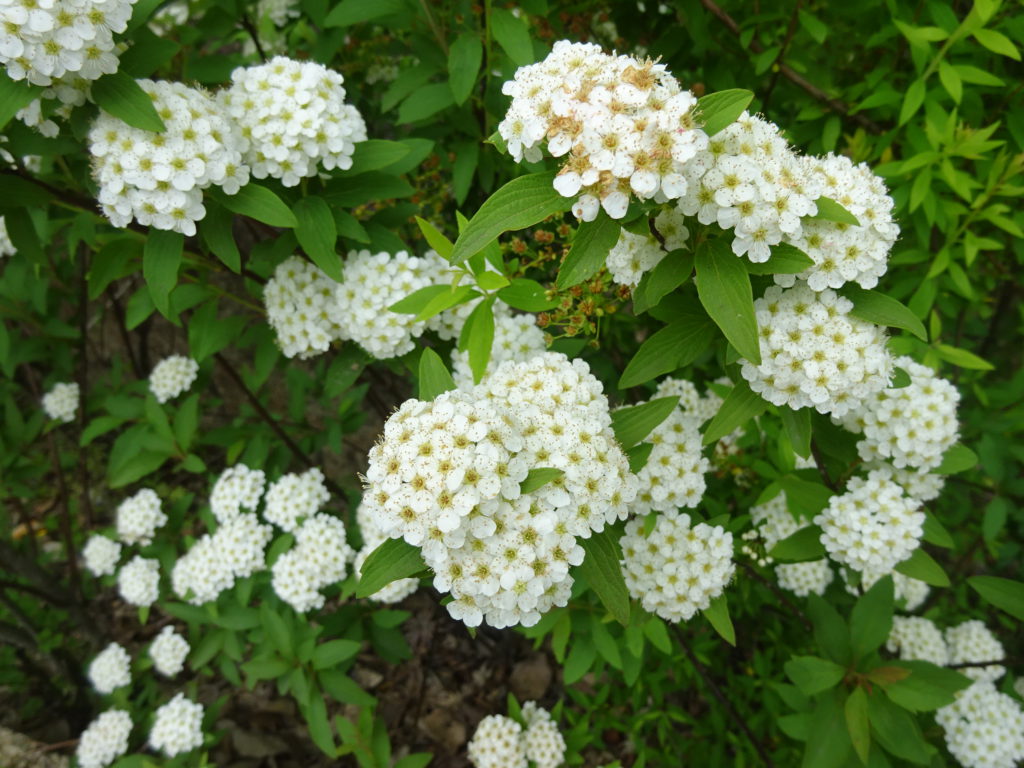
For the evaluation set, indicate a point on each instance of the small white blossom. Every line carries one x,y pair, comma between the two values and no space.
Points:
110,669
775,522
105,740
178,727
293,498
138,517
172,376
100,555
61,402
138,581
318,560
916,637
168,651
497,743
971,642
984,728
237,487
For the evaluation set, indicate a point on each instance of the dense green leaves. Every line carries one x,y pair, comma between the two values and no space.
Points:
871,620
923,567
927,687
718,614
14,95
805,544
723,285
812,674
464,58
677,344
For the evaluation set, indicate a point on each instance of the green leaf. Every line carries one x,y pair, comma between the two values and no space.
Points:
392,560
147,53
830,631
857,723
717,613
450,297
424,102
477,337
1005,594
927,687
635,422
419,300
590,247
527,295
513,36
601,569
935,533
921,566
374,154
786,259
798,427
878,308
539,477
638,456
669,273
14,96
805,497
739,407
464,59
349,12
801,546
435,239
580,659
896,730
521,203
266,668
333,652
723,285
962,358
161,258
491,281
22,193
900,378
319,726
830,210
216,229
119,95
913,98
258,203
813,674
343,688
717,111
951,81
186,421
816,28
434,378
317,234
958,458
276,629
997,42
677,344
871,619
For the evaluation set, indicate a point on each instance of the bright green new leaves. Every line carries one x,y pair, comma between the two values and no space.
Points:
600,568
923,567
521,203
14,96
801,546
677,344
464,59
258,203
723,285
1005,594
871,619
633,423
527,295
539,477
122,97
830,210
959,458
435,239
392,560
161,258
477,337
317,234
716,111
739,407
216,230
513,36
880,309
812,674
718,614
434,378
962,358
997,42
590,247
374,154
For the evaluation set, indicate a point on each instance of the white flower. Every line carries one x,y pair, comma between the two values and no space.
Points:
294,497
318,560
972,642
917,638
168,651
237,487
178,727
105,740
61,402
100,555
984,728
516,337
172,376
138,582
397,590
6,246
110,669
774,523
298,299
679,568
674,474
497,743
544,744
138,517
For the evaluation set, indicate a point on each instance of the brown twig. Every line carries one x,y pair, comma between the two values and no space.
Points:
790,31
83,377
820,462
249,27
794,77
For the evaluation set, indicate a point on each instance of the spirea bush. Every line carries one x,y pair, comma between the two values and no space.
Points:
371,366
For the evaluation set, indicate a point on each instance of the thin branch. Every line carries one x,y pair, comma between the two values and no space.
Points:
83,378
249,27
968,664
723,700
794,77
820,462
790,31
793,609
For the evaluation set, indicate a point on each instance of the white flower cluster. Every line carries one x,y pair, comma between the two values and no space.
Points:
178,727
168,651
172,376
105,740
446,477
750,181
41,40
317,560
674,474
234,551
845,253
293,119
237,487
917,484
501,742
873,526
158,178
774,523
298,299
625,125
909,592
984,728
6,246
972,642
916,637
633,255
278,11
679,568
516,338
100,555
373,537
138,581
110,669
61,402
138,517
814,353
69,91
293,498
703,408
910,427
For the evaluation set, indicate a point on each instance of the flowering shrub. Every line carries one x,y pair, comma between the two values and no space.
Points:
372,366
